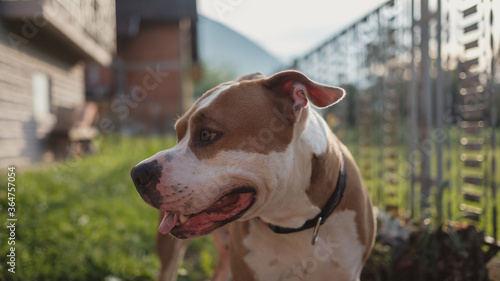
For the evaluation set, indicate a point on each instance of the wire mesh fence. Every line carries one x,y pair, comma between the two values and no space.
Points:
420,115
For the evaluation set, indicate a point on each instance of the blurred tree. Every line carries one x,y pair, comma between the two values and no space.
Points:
213,74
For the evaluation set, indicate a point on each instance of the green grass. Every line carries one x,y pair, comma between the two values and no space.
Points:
83,219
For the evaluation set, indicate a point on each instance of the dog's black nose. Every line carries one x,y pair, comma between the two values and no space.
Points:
146,175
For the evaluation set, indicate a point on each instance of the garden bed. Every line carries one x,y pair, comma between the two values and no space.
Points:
420,253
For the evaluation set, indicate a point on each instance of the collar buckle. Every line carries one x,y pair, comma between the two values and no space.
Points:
316,230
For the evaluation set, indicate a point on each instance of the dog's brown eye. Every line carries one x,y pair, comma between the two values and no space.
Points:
206,136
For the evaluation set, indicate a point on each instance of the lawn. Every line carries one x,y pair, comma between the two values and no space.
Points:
82,219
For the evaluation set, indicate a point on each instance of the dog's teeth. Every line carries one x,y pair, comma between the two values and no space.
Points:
183,218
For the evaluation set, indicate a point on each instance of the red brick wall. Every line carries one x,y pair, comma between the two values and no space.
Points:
153,79
154,41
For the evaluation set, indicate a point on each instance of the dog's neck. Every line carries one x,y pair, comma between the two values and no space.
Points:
304,195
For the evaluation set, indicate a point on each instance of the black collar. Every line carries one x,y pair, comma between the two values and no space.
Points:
328,209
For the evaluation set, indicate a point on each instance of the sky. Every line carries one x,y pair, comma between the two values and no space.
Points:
287,28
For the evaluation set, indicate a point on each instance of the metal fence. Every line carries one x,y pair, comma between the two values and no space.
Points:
420,115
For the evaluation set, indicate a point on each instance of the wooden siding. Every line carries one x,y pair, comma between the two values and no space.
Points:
22,138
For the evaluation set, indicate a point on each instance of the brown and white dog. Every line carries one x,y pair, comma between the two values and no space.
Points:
254,154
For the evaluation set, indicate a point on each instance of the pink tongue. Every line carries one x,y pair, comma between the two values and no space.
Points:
167,223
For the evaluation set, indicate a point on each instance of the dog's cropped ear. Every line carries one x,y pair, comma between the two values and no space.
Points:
302,89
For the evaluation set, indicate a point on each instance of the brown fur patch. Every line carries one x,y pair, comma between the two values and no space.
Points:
324,176
181,126
239,268
356,198
247,117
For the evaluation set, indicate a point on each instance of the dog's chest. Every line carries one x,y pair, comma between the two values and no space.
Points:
338,251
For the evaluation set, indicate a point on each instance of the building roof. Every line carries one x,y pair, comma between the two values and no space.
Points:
132,12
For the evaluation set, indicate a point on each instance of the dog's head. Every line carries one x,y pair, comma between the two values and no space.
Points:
237,147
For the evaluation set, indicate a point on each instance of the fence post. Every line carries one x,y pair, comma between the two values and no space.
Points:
425,110
413,113
439,119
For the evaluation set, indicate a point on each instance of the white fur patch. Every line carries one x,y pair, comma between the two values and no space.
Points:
207,101
315,133
282,198
338,252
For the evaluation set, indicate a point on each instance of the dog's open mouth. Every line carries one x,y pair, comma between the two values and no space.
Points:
227,209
